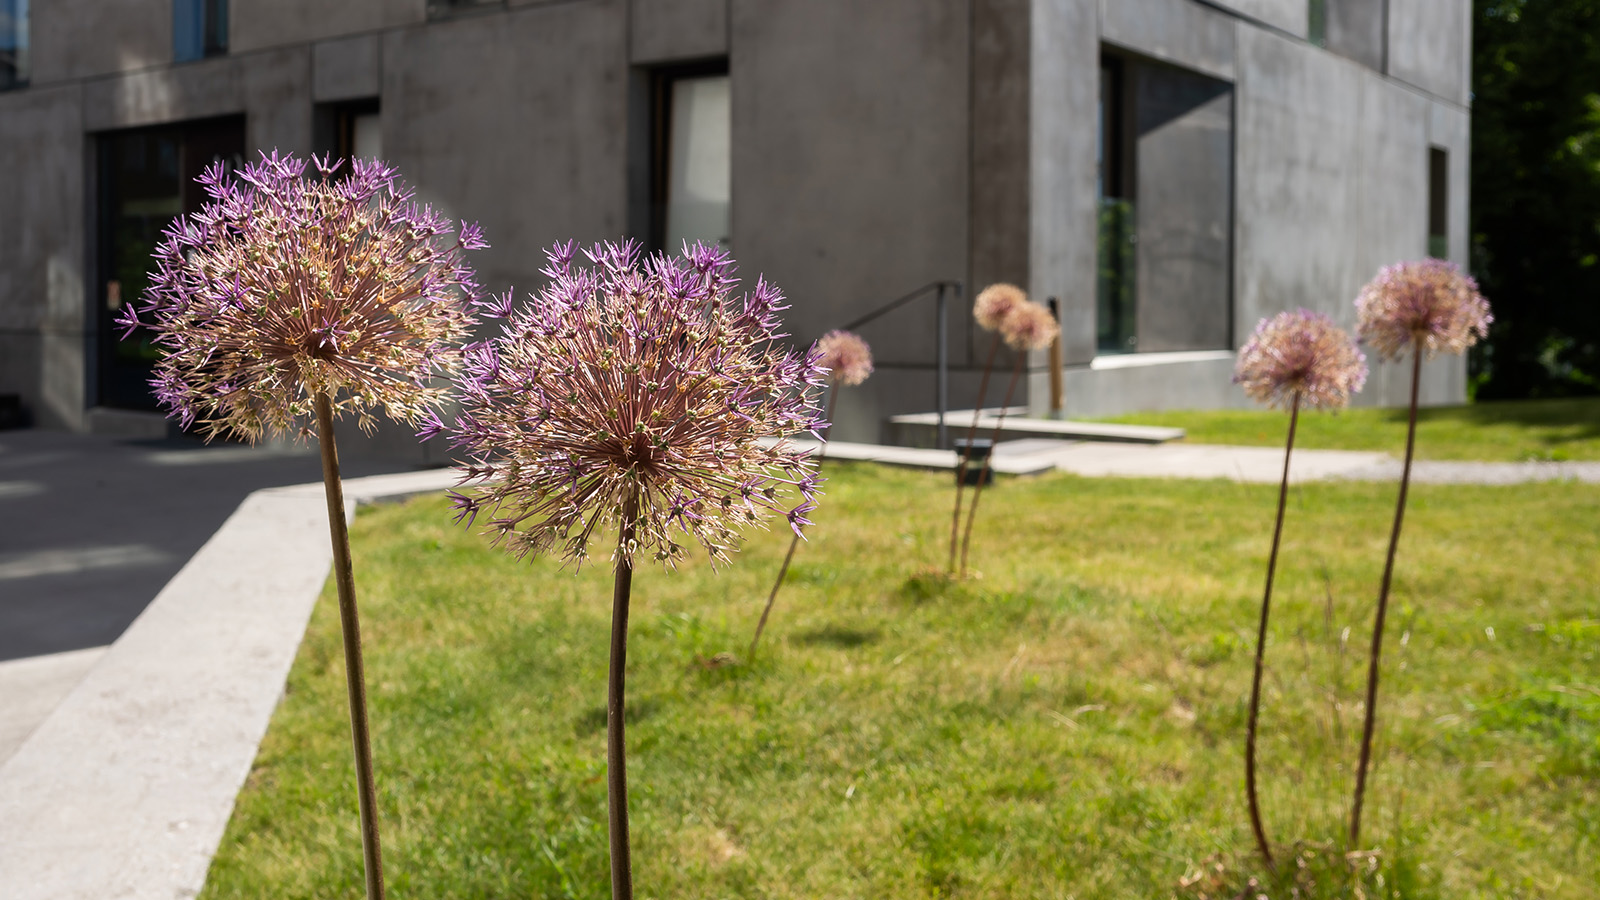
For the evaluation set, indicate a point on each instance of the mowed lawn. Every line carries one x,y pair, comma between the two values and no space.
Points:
1505,432
1069,724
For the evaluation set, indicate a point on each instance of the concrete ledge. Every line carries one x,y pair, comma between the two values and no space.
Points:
124,790
126,423
921,458
920,429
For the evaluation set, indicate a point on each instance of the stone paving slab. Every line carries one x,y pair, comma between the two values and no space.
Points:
34,686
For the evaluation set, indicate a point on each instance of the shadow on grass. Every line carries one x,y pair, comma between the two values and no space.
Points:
838,636
926,585
634,711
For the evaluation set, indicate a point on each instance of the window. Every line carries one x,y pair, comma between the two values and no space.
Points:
348,130
690,157
441,8
13,43
1165,153
1317,22
199,29
1438,203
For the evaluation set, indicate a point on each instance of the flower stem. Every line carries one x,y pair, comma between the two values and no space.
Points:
616,749
350,626
1370,724
1261,646
977,489
966,456
794,543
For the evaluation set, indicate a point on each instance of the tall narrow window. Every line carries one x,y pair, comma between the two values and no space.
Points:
692,173
1438,202
13,43
199,29
1115,297
1317,22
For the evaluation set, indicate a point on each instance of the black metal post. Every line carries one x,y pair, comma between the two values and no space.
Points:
942,389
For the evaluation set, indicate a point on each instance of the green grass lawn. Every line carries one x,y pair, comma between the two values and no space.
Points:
1507,432
1069,724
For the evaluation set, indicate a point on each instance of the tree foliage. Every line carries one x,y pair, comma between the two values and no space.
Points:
1536,195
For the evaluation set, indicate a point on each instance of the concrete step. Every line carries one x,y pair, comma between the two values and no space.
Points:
921,429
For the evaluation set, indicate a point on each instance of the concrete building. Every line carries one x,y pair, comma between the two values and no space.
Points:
1169,170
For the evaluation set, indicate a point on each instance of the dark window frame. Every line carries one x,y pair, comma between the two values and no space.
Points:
16,73
661,80
212,27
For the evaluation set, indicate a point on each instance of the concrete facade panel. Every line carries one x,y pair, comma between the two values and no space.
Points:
1430,46
1064,221
42,302
1000,125
1355,30
669,30
83,38
254,24
1338,159
276,89
1292,16
347,68
155,96
538,97
850,177
1181,32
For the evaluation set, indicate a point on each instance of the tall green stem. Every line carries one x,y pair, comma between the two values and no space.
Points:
1370,724
354,674
983,474
616,749
966,456
1261,646
794,543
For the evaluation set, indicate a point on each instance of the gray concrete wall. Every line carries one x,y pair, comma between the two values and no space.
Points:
1291,16
1355,29
1430,46
850,167
42,252
673,30
83,38
1180,32
1063,220
254,24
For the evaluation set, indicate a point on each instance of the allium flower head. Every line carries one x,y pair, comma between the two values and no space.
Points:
638,389
1029,327
846,356
1431,302
1300,353
996,303
286,285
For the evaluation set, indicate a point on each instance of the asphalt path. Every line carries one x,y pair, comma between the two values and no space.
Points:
92,527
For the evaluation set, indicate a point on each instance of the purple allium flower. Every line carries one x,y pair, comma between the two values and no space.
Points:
291,284
1300,353
638,388
1029,327
1431,303
846,356
997,302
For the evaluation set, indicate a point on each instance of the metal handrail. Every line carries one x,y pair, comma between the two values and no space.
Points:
944,287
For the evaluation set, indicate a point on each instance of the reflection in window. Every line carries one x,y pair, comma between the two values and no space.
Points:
1115,297
1438,203
199,29
1317,22
13,43
349,129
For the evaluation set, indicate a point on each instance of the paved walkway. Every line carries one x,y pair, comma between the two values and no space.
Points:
123,763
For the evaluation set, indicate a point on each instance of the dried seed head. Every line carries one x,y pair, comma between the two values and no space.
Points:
286,286
1300,353
1430,304
644,385
846,356
1029,327
997,302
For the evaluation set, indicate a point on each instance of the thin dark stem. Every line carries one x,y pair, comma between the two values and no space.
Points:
794,544
354,674
966,456
1261,647
616,749
983,474
1370,725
